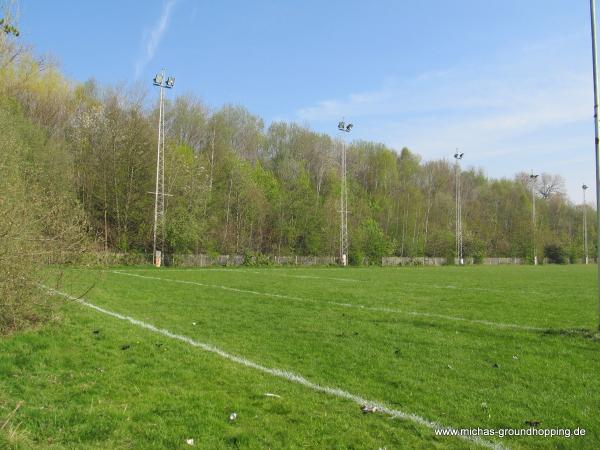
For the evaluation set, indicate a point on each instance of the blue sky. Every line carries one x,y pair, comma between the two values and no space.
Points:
506,81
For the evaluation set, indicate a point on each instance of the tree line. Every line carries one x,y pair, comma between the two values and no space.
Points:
239,186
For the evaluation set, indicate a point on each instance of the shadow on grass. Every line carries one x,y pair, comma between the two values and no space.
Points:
586,333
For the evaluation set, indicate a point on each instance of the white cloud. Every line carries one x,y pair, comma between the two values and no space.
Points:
152,39
522,108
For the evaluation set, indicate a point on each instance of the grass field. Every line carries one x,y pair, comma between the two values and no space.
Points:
461,347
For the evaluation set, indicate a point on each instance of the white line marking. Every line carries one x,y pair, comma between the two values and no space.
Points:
280,373
272,272
468,288
343,305
313,277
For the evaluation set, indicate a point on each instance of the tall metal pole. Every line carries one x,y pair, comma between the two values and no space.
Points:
158,192
596,142
344,211
532,178
458,209
456,228
535,258
460,233
344,245
163,199
585,240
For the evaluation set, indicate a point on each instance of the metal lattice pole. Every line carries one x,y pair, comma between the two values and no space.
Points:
596,143
532,178
344,241
159,188
456,225
585,233
535,258
159,231
343,210
162,179
458,209
460,232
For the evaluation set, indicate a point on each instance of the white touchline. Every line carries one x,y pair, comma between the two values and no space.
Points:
274,273
343,305
467,288
290,376
218,269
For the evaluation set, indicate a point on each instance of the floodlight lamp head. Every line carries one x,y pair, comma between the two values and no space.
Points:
584,187
349,127
341,126
461,155
170,82
158,79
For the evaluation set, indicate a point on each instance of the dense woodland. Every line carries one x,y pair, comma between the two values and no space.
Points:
239,186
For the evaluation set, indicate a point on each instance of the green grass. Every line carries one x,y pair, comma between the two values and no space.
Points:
80,389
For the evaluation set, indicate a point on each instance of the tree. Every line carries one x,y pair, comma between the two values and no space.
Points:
7,28
555,254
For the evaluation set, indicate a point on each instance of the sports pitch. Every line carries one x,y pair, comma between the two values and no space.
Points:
150,358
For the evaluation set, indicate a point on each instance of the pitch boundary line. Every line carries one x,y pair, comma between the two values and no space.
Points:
280,373
470,288
314,277
355,280
218,269
500,325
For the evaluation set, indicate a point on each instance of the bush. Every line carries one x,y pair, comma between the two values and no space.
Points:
449,256
369,244
478,258
40,222
256,259
555,254
473,247
356,258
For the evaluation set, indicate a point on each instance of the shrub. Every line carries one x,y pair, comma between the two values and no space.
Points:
40,222
356,258
256,259
555,254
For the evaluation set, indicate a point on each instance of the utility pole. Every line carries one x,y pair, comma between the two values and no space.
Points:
159,193
344,199
585,240
596,143
532,178
458,208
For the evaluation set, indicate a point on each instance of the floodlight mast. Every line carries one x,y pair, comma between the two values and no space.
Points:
458,208
532,178
159,193
596,142
344,245
585,236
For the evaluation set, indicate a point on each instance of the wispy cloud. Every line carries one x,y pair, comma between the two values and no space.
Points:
527,106
153,37
472,108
